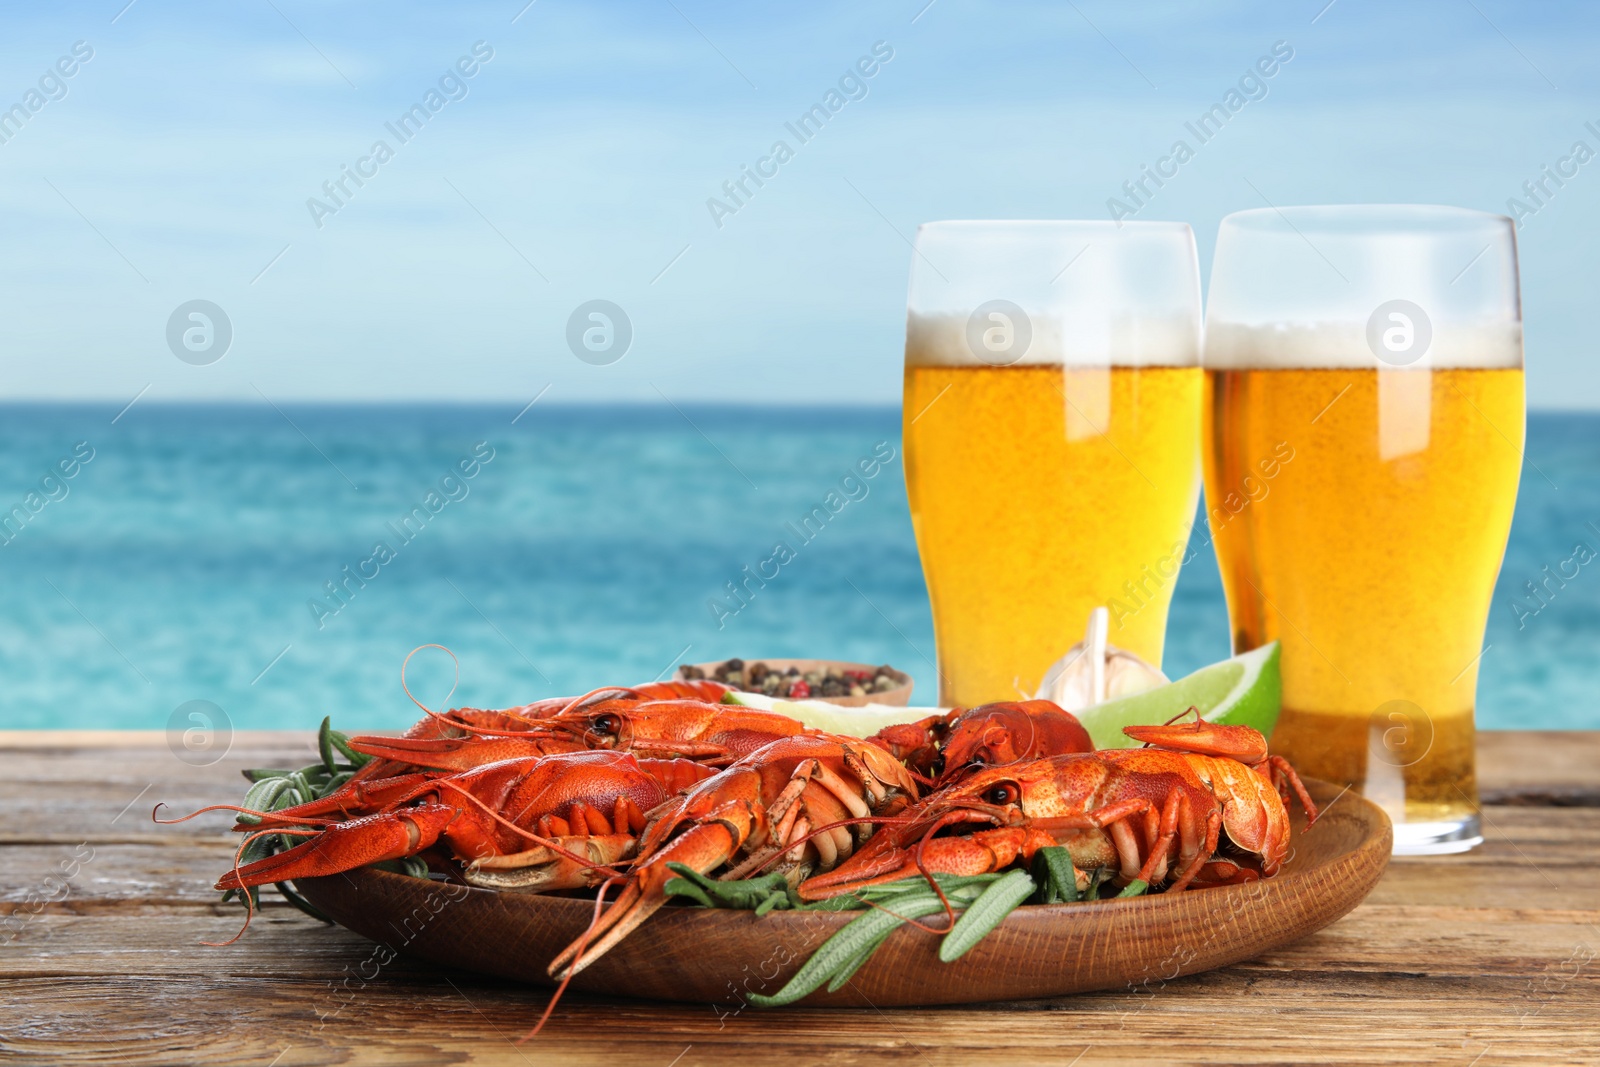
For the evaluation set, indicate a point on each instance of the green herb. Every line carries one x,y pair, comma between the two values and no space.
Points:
849,948
849,967
300,902
1056,877
683,887
987,912
325,744
750,894
1097,878
984,901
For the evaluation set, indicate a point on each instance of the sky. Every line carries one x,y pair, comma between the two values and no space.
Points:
180,159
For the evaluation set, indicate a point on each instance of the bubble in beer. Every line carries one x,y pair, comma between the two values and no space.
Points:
1399,332
999,333
1402,733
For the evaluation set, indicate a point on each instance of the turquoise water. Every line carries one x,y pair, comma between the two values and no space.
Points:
183,560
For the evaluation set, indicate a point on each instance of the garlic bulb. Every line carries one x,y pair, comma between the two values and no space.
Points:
1094,671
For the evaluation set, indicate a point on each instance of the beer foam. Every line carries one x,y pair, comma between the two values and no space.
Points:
1343,345
941,340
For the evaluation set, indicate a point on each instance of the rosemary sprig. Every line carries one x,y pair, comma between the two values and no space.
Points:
983,899
991,907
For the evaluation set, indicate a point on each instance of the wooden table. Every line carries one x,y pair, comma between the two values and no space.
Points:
1478,959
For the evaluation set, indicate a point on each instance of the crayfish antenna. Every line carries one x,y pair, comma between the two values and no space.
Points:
246,892
583,943
580,701
440,715
249,913
202,811
922,866
1192,709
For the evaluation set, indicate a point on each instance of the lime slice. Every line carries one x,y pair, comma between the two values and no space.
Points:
831,718
1242,691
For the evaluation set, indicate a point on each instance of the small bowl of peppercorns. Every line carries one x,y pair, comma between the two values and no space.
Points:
847,684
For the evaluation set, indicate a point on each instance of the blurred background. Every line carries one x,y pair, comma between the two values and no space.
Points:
397,220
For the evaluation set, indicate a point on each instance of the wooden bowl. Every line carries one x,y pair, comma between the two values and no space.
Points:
899,696
701,956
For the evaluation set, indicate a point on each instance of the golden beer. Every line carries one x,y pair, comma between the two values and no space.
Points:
1038,493
1371,554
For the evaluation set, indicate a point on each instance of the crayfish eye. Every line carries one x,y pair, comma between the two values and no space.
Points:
606,724
1002,794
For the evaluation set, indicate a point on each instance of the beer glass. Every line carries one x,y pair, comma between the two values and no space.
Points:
1364,426
1051,422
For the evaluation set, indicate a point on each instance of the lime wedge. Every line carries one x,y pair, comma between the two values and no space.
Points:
831,718
1242,691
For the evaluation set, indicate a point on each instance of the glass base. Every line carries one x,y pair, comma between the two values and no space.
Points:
1438,838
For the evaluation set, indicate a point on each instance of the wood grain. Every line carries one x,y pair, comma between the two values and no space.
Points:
1488,957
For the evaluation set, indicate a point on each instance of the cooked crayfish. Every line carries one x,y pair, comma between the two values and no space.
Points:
684,727
787,802
945,747
468,737
694,729
553,820
446,740
1008,732
1152,814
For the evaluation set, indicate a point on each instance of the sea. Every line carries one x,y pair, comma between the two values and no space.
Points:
274,565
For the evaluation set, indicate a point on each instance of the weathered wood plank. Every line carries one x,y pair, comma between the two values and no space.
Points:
1539,767
1224,1017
